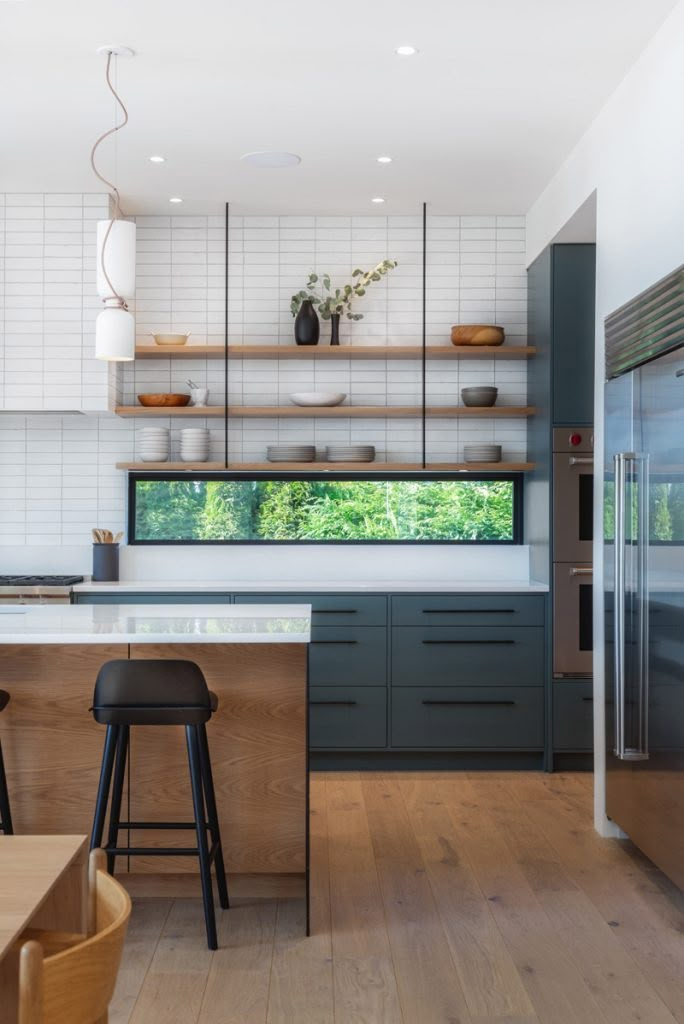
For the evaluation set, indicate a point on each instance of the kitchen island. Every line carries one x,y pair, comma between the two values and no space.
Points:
253,657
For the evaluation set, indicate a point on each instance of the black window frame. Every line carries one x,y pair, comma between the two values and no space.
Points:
516,478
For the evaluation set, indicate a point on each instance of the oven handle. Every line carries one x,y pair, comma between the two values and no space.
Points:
581,460
577,571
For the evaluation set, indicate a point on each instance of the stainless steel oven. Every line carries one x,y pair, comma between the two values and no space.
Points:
573,535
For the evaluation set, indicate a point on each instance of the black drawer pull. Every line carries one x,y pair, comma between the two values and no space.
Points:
484,643
471,703
348,642
468,611
335,703
335,611
588,700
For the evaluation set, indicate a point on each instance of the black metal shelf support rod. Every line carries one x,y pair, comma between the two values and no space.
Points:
225,340
424,337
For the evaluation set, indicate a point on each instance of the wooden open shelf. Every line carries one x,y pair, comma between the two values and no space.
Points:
330,411
333,353
332,467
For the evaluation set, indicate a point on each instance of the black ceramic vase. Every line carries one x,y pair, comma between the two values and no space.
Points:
335,329
307,327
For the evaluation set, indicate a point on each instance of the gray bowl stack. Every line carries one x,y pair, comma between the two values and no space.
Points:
482,452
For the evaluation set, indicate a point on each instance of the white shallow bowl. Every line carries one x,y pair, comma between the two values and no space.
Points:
193,458
320,398
163,457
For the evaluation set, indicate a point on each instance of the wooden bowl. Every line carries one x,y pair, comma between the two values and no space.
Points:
477,334
165,401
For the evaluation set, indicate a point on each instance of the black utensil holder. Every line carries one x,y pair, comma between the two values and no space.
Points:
105,563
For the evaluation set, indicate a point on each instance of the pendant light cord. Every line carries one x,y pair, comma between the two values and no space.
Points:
113,190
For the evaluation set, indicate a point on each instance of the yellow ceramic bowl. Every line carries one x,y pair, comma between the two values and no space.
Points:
170,339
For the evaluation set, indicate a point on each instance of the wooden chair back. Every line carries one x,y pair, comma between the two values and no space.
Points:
76,986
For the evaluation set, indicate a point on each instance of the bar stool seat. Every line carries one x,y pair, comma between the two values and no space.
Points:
158,693
5,815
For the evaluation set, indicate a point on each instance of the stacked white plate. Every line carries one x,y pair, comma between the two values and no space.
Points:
482,452
350,453
291,452
153,444
194,444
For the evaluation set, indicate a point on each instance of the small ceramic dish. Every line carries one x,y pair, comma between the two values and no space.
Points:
170,339
319,398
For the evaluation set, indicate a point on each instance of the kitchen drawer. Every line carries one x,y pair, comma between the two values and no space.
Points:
341,655
347,717
330,609
151,598
469,717
468,610
573,715
459,656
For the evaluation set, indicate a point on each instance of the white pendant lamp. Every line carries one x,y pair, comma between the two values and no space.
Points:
115,326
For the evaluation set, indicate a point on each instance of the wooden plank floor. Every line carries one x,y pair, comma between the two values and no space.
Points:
438,898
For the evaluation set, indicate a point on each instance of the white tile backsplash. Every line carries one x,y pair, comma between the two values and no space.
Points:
59,478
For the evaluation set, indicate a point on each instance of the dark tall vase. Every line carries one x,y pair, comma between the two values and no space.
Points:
307,327
335,328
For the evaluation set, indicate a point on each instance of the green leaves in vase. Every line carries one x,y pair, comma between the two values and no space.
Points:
319,291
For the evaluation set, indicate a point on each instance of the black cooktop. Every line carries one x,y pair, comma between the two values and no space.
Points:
39,581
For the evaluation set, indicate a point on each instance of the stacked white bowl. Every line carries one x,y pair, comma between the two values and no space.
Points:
153,444
194,444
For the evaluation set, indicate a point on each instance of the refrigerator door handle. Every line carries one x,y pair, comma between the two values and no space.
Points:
621,462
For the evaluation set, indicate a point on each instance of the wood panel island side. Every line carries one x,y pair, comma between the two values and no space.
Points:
254,658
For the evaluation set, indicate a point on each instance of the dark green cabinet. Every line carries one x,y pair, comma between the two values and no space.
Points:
391,675
469,717
347,717
468,610
573,715
574,327
458,656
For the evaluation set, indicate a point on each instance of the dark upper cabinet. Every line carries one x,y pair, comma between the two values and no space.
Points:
561,323
574,326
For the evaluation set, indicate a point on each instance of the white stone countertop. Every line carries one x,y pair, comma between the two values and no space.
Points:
483,586
149,624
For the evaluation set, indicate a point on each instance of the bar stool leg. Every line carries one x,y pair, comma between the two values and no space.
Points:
104,785
200,828
212,816
117,793
5,815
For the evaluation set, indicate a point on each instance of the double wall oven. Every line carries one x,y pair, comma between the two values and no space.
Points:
573,511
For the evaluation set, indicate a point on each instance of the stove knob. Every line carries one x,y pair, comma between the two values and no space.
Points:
575,439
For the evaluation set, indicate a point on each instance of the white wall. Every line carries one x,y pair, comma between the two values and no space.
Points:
633,156
58,473
48,302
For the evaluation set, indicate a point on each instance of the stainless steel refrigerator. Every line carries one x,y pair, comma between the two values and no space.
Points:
644,572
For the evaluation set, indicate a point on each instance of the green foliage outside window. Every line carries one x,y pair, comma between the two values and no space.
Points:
324,510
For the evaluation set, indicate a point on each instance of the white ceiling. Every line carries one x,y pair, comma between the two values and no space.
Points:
478,121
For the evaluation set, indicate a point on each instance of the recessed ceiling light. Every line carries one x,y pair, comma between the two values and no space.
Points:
175,199
377,199
271,159
384,159
157,159
406,51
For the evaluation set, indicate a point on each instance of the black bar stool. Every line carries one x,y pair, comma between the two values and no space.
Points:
140,692
5,814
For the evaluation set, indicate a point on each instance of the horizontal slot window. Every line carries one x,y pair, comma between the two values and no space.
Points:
350,508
